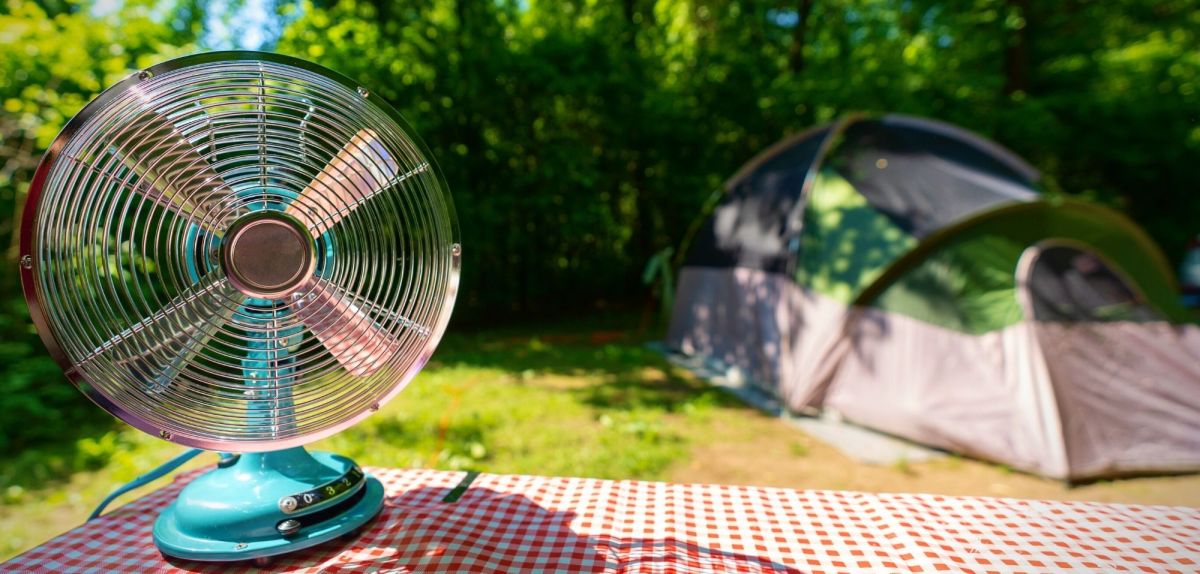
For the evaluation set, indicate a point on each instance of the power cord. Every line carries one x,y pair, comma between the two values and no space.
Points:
147,478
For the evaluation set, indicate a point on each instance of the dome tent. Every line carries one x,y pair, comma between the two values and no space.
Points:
906,274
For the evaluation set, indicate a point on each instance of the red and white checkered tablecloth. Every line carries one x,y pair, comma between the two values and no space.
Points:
531,523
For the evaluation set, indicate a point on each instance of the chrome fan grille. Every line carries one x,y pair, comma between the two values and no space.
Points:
126,231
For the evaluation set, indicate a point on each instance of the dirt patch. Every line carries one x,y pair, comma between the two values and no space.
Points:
749,448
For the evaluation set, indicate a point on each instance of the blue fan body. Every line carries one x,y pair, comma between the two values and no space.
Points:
237,511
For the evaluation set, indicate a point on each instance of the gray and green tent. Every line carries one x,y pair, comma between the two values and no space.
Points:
907,274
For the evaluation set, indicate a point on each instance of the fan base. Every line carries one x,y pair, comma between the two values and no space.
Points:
238,512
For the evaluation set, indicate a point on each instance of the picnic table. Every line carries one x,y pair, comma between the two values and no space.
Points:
445,521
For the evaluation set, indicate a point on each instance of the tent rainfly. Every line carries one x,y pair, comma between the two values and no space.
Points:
906,274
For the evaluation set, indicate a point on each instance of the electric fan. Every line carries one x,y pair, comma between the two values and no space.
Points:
242,252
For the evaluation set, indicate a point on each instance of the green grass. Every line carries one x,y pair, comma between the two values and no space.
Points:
565,402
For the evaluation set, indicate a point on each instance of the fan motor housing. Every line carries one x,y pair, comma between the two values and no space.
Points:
268,255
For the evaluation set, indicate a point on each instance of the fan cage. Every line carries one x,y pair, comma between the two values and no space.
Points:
123,234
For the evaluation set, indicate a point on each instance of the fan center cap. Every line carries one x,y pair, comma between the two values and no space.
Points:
268,255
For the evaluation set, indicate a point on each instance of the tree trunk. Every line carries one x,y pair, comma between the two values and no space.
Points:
796,52
644,232
1016,53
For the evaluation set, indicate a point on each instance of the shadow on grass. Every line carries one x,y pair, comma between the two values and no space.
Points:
635,376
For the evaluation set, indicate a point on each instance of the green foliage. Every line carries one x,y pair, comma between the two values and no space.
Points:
580,138
38,405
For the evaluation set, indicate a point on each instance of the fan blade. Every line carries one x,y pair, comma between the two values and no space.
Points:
175,174
156,349
353,338
358,171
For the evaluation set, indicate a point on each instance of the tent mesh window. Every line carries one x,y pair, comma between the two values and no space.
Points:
925,175
1068,283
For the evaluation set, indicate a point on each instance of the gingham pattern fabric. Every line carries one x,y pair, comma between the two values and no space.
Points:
529,523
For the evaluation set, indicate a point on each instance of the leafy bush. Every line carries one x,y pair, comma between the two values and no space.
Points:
37,403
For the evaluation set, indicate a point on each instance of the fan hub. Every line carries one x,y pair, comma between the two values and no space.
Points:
268,255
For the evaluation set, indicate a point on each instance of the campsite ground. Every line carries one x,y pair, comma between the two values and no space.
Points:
571,400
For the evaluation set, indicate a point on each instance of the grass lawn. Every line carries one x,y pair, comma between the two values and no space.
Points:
568,401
